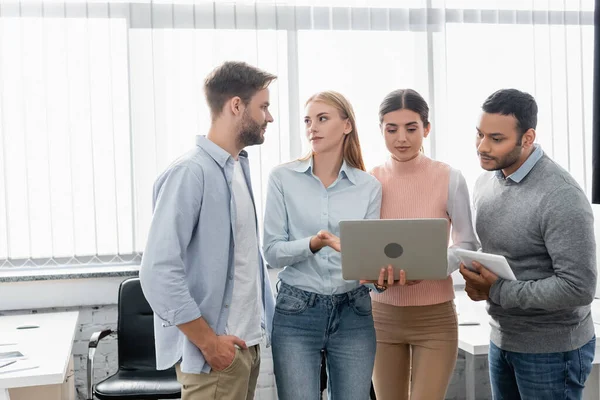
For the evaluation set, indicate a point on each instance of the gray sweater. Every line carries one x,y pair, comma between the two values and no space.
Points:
543,225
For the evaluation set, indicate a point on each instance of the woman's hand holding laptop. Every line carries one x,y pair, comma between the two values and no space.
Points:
386,275
386,279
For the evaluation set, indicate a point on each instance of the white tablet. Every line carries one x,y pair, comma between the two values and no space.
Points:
495,263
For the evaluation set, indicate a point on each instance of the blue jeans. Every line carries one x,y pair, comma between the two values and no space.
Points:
544,376
306,323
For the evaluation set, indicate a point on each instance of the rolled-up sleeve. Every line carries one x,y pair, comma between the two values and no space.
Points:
177,202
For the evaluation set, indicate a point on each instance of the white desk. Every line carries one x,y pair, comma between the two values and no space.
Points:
475,340
49,347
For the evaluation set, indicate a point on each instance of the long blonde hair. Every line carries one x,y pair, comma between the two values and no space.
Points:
351,152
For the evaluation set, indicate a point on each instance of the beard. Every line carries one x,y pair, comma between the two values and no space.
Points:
505,161
251,132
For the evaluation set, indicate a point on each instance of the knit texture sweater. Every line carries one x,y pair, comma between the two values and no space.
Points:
417,188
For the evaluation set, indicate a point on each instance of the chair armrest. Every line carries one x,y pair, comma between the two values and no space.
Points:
98,336
92,345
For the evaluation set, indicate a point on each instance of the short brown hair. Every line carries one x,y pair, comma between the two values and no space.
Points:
234,78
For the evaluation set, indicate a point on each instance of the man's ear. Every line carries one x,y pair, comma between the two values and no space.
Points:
528,138
235,105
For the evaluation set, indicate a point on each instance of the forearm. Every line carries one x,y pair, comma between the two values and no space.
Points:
553,293
280,253
459,211
200,333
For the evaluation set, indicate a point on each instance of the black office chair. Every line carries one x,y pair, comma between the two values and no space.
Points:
137,377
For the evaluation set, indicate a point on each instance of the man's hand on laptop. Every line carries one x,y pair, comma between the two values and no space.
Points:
325,238
386,279
221,353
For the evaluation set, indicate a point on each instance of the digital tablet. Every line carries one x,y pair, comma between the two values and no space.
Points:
495,263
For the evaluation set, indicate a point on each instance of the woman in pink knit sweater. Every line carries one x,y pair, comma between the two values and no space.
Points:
416,323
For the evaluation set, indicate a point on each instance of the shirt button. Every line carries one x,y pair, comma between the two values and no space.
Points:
226,305
230,276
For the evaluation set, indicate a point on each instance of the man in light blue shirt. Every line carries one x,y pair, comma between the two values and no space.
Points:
203,243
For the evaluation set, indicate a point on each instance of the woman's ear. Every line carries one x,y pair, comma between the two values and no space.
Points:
348,127
427,130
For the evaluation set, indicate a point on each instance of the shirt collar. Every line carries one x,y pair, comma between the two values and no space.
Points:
349,172
305,165
215,151
527,166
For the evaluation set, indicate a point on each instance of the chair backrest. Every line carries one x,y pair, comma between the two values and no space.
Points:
135,328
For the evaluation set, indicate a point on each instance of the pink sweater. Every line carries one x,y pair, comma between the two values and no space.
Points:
415,189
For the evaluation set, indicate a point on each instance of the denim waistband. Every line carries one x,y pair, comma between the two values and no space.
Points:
303,294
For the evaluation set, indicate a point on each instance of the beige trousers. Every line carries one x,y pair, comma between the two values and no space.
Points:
236,382
416,351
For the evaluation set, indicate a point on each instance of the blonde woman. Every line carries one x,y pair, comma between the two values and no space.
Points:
316,309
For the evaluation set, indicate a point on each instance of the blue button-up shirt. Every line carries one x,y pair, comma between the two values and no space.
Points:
188,265
298,206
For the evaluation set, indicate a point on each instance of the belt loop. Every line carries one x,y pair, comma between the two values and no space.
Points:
351,294
311,299
277,285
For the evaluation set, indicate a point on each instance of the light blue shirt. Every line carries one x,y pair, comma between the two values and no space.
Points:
188,265
298,206
526,167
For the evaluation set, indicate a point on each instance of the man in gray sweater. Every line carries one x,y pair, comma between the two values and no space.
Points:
532,211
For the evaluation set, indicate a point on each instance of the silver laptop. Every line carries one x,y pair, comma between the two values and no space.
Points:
418,246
